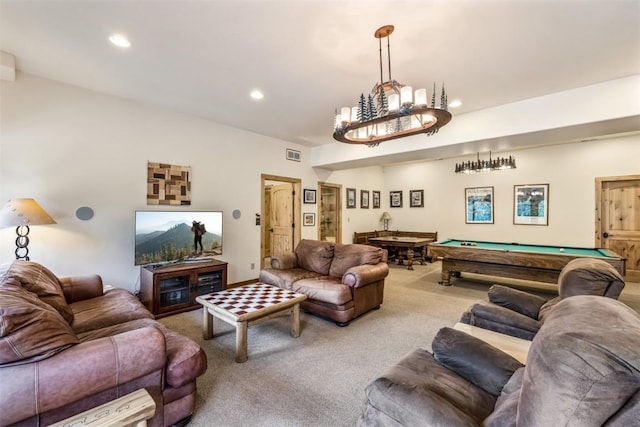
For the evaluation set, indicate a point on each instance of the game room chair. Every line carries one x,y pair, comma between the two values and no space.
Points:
521,314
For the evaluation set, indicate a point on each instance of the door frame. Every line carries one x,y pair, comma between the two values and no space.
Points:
599,183
264,210
338,188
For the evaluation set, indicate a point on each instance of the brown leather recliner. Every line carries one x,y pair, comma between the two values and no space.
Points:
581,371
521,314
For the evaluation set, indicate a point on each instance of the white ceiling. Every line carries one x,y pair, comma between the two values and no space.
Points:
202,57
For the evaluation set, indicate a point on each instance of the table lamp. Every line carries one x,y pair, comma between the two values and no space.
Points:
21,213
385,217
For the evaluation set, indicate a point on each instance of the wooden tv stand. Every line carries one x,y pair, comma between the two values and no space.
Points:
173,288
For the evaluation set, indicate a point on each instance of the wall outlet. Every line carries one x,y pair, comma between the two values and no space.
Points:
253,265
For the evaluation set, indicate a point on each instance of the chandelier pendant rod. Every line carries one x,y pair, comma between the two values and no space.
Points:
389,55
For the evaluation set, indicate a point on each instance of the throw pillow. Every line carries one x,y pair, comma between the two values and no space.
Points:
314,255
352,255
30,329
41,281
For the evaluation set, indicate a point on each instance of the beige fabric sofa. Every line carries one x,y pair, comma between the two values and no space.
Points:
341,281
66,347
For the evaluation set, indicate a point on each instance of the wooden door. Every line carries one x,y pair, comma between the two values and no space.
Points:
281,219
280,216
618,219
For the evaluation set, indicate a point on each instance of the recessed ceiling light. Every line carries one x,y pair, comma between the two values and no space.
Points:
455,104
256,94
120,40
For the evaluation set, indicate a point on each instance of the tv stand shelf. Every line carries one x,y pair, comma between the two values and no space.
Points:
172,289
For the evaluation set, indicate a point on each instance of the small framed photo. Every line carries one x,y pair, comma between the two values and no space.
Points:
395,199
351,198
308,219
293,155
309,196
531,204
478,203
375,195
364,199
416,198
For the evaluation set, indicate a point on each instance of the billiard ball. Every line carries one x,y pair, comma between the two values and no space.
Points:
561,249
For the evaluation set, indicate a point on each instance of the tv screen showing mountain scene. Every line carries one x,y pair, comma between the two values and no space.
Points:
173,236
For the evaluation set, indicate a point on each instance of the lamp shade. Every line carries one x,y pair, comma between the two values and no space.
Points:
21,212
385,216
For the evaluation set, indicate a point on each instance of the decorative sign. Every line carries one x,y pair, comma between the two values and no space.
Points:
531,204
478,205
168,184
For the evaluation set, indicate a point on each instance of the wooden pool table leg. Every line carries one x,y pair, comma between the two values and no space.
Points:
446,274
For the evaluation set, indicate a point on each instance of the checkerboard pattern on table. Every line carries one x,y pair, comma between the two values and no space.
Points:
249,298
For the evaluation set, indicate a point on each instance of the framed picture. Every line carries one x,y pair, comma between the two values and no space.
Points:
531,204
309,196
478,203
351,198
376,199
395,199
364,199
293,155
308,219
416,198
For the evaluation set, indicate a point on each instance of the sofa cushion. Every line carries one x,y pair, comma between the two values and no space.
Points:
583,365
114,307
589,276
285,278
351,255
30,329
41,281
185,359
473,359
506,409
314,255
516,300
419,391
324,288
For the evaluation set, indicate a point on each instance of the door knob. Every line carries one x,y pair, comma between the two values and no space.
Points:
605,234
271,230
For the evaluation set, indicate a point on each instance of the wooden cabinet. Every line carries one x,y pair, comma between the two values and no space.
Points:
173,289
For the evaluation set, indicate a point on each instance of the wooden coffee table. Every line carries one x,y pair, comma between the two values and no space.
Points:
249,305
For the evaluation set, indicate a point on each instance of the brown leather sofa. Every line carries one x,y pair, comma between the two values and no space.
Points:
341,281
66,347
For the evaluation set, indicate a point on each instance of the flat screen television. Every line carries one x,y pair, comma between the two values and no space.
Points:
164,237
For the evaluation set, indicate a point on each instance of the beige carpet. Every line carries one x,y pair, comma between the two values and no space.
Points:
319,378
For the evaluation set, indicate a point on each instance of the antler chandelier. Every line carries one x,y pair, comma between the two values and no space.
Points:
392,110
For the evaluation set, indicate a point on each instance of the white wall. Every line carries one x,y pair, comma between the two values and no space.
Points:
68,147
569,169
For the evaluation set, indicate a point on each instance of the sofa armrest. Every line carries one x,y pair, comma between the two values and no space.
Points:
284,261
78,288
516,300
502,320
79,372
473,359
362,275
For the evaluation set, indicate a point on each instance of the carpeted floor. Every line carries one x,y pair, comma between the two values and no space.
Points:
319,378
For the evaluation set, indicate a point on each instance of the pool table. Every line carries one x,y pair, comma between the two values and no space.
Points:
514,260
